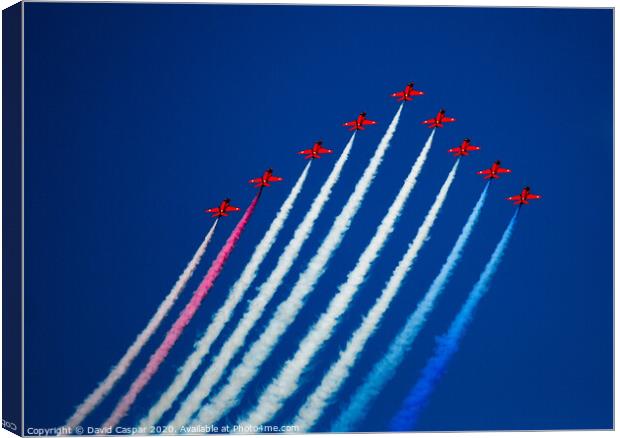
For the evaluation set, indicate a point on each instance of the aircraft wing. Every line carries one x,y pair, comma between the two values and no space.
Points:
483,172
213,210
232,208
325,151
349,123
514,198
416,93
255,181
448,119
502,170
369,122
305,151
532,196
400,95
454,150
275,178
472,148
426,122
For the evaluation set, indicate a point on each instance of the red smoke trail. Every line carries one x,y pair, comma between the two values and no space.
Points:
182,321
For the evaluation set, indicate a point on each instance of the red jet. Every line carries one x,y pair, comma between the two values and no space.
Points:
264,180
464,149
223,209
523,197
438,120
407,94
492,172
315,151
358,125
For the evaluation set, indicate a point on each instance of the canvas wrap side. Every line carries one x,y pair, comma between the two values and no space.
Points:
12,219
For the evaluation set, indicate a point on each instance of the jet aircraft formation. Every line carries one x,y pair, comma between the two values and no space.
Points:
359,124
287,310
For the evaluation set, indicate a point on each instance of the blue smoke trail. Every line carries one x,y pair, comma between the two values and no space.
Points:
448,344
384,370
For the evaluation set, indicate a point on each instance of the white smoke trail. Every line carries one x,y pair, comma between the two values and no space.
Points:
185,317
312,409
224,313
266,291
287,382
229,395
384,370
104,388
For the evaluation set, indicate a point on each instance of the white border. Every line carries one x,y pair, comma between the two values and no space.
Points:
479,3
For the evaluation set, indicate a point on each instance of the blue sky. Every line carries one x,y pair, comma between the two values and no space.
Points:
138,117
